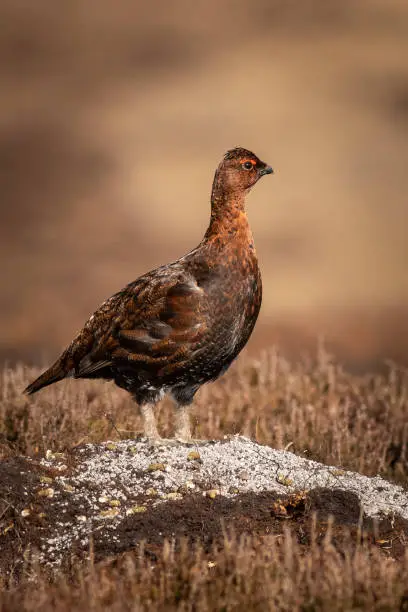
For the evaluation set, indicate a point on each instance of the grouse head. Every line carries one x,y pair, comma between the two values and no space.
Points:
239,170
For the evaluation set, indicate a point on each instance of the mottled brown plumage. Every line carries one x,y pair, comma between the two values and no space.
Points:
180,325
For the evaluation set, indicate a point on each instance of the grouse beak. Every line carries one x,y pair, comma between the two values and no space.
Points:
266,170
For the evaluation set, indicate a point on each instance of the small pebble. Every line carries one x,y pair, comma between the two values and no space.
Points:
81,518
194,456
136,510
212,493
49,492
111,513
284,480
46,480
156,467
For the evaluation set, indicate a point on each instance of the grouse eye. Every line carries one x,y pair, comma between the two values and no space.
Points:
248,165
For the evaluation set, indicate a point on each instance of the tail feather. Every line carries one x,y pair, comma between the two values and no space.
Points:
56,372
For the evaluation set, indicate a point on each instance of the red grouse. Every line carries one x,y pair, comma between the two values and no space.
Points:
181,325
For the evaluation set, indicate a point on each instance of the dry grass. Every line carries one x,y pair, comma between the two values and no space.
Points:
315,408
271,573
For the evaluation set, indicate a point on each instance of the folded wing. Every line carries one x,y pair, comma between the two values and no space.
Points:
146,330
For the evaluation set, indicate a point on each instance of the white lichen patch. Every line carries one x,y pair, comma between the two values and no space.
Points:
118,481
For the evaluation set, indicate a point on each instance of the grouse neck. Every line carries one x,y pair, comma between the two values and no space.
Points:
227,210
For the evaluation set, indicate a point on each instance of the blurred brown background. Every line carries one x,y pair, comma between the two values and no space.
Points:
114,115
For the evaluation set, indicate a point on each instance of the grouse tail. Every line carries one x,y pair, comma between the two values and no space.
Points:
56,372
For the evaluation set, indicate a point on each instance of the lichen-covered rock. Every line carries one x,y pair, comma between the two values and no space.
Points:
103,490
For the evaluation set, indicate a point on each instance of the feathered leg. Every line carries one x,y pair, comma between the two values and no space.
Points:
182,432
183,427
149,422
